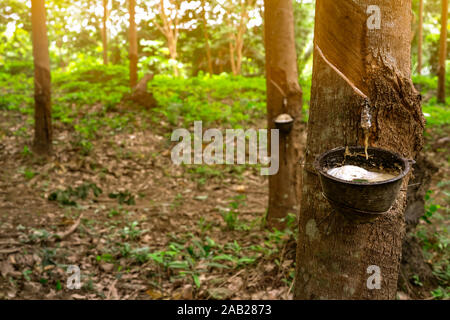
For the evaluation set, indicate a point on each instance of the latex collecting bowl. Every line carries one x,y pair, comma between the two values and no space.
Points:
361,200
284,122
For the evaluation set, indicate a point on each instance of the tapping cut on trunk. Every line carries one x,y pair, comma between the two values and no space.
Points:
352,65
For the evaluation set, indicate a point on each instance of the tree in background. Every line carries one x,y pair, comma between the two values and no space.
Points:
304,22
237,26
284,95
420,39
133,44
42,80
206,35
77,31
442,52
105,32
59,30
170,17
353,62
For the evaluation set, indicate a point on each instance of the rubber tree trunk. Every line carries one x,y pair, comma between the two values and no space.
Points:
133,45
352,61
284,95
42,80
442,52
105,32
420,40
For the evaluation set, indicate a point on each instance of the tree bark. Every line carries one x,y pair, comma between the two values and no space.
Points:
413,262
442,52
351,63
42,80
105,32
284,95
420,40
133,45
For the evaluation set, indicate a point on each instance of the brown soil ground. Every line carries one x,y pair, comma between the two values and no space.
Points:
180,205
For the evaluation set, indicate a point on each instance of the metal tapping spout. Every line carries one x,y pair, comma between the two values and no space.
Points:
365,116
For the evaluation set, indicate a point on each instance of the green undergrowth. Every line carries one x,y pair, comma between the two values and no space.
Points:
189,255
435,239
91,91
436,114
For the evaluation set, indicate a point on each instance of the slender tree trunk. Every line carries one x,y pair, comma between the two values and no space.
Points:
133,45
261,13
442,52
170,30
232,60
222,53
420,40
236,44
105,32
173,54
239,46
245,6
42,80
206,35
351,62
284,95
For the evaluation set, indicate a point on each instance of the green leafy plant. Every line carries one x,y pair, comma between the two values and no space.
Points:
230,216
58,285
430,207
26,274
441,293
123,197
203,225
106,257
132,231
29,174
415,279
26,151
68,196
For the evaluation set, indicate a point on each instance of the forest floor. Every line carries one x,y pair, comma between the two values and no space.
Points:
139,227
156,230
